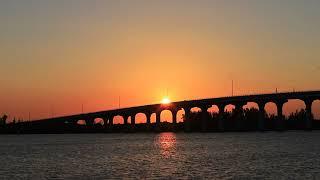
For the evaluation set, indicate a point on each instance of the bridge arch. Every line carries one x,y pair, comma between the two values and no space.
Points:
251,105
251,111
118,119
271,108
81,122
166,116
98,121
315,108
140,118
180,115
293,106
195,115
195,109
213,109
229,108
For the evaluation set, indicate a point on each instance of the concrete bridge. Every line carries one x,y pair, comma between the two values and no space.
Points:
308,97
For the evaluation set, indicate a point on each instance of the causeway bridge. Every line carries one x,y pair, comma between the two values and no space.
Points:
308,97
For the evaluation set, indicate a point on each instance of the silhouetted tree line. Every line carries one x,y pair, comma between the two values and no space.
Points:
3,120
246,120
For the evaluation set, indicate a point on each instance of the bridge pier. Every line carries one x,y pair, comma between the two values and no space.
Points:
110,123
174,119
308,118
148,117
105,122
133,122
261,120
125,123
111,120
204,118
174,116
220,117
89,122
158,121
238,116
187,122
125,119
280,124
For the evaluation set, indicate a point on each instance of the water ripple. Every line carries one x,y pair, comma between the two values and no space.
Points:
289,155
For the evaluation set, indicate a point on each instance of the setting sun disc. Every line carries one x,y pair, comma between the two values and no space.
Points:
165,100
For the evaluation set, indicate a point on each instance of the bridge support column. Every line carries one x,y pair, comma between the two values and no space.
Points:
105,122
125,123
308,118
158,121
125,119
204,118
174,119
111,120
220,117
89,122
133,122
187,121
261,120
174,116
110,123
148,116
239,116
280,120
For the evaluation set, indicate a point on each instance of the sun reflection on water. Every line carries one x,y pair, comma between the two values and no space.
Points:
166,142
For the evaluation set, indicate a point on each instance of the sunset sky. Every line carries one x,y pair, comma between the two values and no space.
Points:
56,55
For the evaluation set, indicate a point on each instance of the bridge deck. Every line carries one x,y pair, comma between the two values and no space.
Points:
228,99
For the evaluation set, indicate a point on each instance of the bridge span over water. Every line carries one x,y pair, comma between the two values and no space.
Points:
308,97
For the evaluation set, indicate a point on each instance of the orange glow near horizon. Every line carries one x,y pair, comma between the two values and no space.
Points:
62,58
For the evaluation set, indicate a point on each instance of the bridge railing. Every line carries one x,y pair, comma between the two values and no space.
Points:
258,94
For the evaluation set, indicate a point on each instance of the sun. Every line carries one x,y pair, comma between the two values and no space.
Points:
165,100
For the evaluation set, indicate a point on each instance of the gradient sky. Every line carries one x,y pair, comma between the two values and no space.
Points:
56,55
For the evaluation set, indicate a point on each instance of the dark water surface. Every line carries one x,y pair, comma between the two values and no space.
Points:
270,155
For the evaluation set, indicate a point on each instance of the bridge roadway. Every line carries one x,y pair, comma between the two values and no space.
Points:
308,97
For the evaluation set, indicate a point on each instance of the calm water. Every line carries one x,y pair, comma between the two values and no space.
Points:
288,155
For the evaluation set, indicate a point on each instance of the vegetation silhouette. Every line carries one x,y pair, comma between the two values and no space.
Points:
3,120
246,120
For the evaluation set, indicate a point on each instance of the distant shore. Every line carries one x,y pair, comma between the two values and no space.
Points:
140,128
